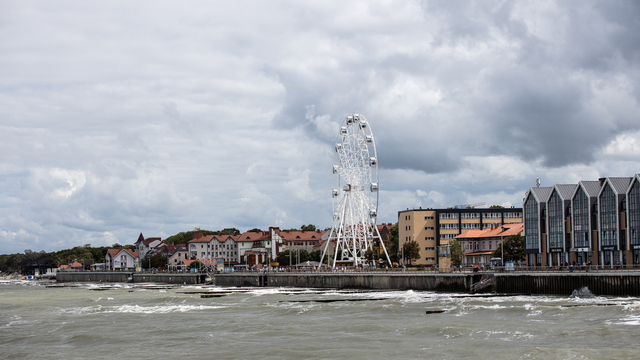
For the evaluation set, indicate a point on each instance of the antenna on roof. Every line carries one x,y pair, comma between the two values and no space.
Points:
537,181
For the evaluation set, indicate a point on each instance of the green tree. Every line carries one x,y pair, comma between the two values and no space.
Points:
156,261
513,249
309,227
256,230
411,251
496,207
196,265
369,255
456,252
315,255
394,246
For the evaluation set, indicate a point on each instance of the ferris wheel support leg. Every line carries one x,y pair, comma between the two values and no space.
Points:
324,251
383,247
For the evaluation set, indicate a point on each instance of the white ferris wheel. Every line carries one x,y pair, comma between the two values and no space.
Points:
354,193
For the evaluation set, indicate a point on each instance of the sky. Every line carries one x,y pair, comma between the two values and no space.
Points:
119,118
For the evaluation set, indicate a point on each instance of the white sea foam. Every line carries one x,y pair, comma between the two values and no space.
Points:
137,309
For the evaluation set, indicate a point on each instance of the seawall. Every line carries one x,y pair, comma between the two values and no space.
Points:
617,284
118,276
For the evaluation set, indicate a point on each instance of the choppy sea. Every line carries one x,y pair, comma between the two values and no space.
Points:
122,321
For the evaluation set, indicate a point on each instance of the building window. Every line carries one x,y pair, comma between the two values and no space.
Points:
448,226
447,216
531,225
429,238
428,217
429,228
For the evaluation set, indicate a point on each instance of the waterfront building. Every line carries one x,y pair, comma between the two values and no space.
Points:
588,226
633,219
143,246
431,228
178,256
534,213
224,249
478,245
256,247
584,222
117,259
611,219
559,223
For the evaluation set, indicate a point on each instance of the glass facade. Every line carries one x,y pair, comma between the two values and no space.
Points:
608,217
556,221
531,225
634,214
581,215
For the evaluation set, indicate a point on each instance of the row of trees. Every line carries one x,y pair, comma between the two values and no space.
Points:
83,254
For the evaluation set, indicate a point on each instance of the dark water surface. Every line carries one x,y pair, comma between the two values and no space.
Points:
128,322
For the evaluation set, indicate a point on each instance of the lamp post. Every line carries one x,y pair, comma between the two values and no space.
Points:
502,249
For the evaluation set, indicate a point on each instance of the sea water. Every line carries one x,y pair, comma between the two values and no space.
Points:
132,322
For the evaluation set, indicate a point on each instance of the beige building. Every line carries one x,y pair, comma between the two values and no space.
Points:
431,228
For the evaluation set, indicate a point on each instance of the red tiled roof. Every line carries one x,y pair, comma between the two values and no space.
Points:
301,235
114,252
223,238
254,236
501,231
202,239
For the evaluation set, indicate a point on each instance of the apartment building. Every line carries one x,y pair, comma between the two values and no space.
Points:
431,228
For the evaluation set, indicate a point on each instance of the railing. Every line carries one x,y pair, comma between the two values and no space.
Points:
454,270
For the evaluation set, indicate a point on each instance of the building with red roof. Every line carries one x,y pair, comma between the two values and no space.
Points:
478,245
120,259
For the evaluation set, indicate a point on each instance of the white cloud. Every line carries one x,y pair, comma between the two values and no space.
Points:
112,124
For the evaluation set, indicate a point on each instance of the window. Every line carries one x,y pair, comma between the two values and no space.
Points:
431,259
634,213
556,221
430,238
531,223
447,216
608,216
428,217
429,228
428,248
448,226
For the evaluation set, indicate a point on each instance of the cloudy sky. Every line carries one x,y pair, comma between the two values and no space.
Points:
123,117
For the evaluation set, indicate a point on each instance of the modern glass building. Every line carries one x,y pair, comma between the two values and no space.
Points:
559,223
633,219
611,210
595,222
584,217
534,216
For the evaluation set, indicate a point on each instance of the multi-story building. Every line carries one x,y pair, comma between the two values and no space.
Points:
535,237
633,219
611,220
431,228
583,223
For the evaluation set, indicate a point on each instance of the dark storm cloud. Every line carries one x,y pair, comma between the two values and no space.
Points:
526,83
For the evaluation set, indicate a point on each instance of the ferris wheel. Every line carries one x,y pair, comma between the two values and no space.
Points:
354,193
